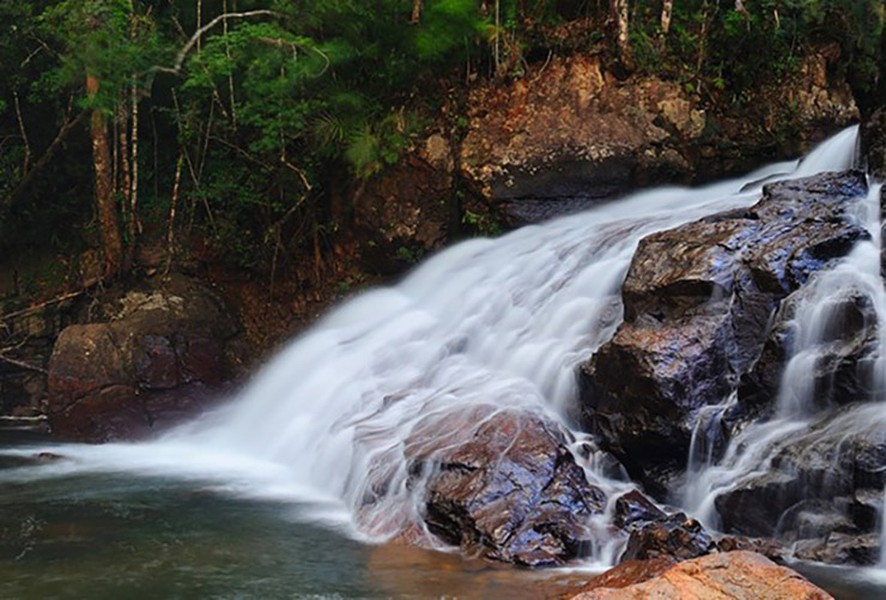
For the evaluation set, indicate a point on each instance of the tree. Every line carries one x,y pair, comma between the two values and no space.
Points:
618,10
99,53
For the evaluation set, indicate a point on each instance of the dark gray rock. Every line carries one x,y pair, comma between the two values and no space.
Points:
504,485
698,303
677,536
822,482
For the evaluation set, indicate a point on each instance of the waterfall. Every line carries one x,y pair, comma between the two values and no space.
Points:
816,322
500,322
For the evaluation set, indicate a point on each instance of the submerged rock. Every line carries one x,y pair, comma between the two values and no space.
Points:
698,301
503,484
730,575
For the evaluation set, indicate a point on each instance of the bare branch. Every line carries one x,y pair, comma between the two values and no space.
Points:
186,49
21,364
295,46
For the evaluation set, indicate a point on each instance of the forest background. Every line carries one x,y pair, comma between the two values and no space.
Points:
240,128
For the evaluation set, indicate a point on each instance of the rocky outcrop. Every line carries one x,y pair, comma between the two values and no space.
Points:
724,576
698,300
574,129
107,378
822,487
503,484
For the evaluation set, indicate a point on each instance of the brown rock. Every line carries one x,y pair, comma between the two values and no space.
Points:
627,573
725,576
150,340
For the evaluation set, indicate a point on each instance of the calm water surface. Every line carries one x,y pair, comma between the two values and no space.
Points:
119,536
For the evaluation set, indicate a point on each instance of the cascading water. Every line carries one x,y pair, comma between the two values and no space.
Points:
501,323
801,402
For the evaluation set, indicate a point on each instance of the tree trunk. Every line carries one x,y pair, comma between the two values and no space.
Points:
105,201
416,12
619,12
667,9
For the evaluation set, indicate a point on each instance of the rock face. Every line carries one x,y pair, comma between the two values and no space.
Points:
873,137
107,377
573,129
407,211
503,485
698,300
724,576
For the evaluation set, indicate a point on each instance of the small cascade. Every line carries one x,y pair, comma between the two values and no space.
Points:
483,327
804,417
882,562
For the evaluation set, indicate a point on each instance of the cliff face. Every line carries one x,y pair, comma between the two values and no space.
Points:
570,133
573,129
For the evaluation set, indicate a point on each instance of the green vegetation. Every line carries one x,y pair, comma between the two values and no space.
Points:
247,123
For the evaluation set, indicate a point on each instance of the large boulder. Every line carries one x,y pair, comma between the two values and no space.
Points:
725,576
112,377
503,484
698,301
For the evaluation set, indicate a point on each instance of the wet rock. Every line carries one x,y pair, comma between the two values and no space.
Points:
676,536
841,549
148,342
634,508
843,371
503,484
733,575
770,548
820,484
698,301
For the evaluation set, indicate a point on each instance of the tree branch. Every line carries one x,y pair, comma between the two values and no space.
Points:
186,49
21,364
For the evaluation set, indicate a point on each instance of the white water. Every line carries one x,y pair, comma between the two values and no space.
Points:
489,323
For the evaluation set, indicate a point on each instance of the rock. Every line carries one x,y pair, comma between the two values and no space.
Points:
572,130
504,485
104,377
841,549
677,536
698,300
634,508
873,140
771,549
821,485
724,576
406,212
844,369
627,573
